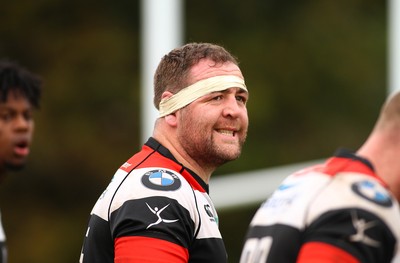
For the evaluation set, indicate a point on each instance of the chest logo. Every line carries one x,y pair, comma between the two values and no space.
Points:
161,180
158,212
373,192
210,213
361,225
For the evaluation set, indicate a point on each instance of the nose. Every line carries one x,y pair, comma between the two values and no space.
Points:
21,123
232,108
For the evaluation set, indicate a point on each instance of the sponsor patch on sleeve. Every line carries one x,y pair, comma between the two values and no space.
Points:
373,192
160,179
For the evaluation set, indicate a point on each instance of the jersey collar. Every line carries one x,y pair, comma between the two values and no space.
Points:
155,145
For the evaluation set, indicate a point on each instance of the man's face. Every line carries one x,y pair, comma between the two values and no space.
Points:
16,129
213,128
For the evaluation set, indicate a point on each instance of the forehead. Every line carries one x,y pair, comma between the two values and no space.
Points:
14,99
207,68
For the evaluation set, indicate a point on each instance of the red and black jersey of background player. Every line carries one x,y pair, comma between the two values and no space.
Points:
154,209
336,212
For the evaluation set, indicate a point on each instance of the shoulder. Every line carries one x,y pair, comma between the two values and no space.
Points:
143,183
147,182
359,192
354,190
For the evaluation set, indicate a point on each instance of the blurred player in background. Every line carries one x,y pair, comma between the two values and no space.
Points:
345,210
20,93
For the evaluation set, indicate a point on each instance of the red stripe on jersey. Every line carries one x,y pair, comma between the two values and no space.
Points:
156,159
340,164
318,252
335,165
190,179
135,159
148,250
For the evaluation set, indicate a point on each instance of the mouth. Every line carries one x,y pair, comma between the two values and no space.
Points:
227,132
21,148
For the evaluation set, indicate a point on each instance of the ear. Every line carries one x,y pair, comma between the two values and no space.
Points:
171,120
166,94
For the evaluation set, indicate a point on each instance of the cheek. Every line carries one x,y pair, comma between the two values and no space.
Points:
200,118
195,127
3,132
247,121
3,138
245,117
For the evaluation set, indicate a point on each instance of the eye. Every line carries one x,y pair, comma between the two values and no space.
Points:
217,97
5,116
241,98
28,115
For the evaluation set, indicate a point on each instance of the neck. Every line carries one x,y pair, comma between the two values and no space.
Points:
384,157
182,157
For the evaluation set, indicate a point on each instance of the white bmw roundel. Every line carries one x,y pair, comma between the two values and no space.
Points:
373,192
161,180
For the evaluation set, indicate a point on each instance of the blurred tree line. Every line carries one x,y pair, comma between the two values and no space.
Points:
316,71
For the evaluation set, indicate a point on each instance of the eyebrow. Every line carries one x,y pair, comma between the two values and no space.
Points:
228,90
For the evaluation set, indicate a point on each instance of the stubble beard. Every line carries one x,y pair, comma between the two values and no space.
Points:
202,148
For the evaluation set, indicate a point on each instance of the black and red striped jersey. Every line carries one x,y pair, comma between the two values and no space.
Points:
154,210
339,211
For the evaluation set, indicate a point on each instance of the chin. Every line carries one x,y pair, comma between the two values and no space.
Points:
230,156
233,151
15,166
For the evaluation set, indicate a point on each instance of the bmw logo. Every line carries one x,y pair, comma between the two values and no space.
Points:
373,192
161,180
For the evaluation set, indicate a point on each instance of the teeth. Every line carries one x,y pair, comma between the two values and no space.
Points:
226,132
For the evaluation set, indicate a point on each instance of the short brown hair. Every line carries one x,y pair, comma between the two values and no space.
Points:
172,72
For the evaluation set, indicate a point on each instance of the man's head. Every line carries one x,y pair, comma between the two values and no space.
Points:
201,95
173,72
20,93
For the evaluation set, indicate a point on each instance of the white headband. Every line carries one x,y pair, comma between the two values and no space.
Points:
197,90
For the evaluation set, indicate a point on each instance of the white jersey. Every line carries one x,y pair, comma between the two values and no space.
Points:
340,207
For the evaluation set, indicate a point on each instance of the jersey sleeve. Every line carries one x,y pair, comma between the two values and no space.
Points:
150,250
318,252
157,228
352,235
